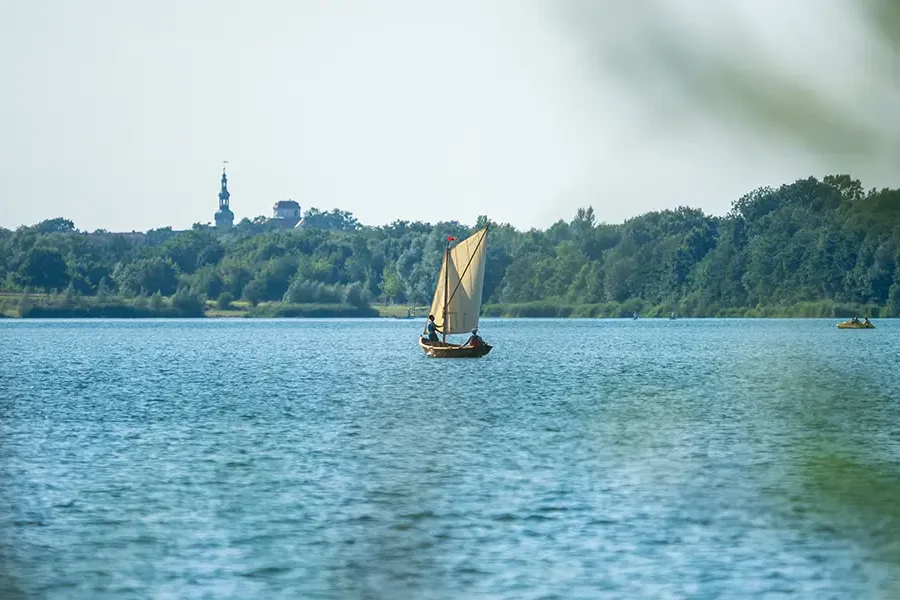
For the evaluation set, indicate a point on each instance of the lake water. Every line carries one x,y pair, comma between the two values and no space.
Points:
331,459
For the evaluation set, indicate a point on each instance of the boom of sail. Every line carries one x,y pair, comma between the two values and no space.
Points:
457,299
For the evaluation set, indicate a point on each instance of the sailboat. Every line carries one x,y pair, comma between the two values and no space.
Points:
457,298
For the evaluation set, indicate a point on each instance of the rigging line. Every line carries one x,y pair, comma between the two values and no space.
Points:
466,270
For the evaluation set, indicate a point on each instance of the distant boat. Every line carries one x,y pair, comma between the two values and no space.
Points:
855,325
672,317
457,299
634,317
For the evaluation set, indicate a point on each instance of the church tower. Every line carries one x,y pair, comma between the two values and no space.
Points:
224,216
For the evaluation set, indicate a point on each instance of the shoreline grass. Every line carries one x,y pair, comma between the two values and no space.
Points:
21,305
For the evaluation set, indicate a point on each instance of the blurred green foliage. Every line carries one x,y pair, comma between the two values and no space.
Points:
706,64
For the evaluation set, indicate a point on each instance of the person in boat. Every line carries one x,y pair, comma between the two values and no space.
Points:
474,339
431,329
855,320
866,322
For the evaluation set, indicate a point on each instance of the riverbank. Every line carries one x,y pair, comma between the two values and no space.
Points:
62,306
42,306
811,310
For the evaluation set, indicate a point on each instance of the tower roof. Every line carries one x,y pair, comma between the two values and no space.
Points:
286,204
223,193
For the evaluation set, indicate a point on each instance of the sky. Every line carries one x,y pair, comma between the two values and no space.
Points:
118,114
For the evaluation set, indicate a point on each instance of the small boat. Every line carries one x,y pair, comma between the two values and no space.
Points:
409,315
855,325
446,350
457,299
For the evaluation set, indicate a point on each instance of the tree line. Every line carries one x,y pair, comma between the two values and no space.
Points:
828,245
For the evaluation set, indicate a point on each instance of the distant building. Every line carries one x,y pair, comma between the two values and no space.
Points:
138,237
286,214
224,216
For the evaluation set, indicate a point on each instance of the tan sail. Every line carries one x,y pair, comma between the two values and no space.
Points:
461,281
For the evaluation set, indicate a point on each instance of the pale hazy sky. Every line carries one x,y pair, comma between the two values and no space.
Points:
118,113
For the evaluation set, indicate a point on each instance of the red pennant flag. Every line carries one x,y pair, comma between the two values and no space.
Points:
450,238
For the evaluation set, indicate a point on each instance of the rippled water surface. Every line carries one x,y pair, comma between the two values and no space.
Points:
331,459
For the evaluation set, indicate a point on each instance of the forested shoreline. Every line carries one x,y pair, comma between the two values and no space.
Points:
816,248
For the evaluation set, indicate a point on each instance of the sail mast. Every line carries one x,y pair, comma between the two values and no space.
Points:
446,289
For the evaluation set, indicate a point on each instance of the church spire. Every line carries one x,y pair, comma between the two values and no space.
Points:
223,194
224,216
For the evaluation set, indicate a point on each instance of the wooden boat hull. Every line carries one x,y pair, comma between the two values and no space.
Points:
441,350
851,325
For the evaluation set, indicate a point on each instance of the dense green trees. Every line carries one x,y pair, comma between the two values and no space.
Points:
44,268
810,241
147,275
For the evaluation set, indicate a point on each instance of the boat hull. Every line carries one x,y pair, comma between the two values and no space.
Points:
442,350
850,325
